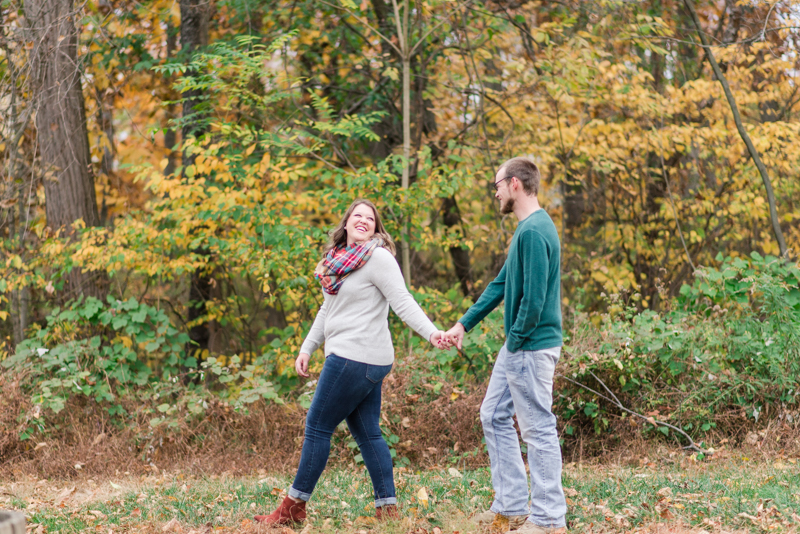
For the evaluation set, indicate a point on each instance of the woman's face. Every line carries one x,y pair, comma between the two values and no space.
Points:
360,225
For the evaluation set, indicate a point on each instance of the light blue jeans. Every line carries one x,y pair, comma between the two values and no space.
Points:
522,383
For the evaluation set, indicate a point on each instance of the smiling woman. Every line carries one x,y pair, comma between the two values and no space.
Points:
360,279
360,211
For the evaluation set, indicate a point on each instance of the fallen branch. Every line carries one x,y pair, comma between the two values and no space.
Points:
653,421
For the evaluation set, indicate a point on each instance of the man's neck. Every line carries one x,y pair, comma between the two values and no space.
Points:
524,206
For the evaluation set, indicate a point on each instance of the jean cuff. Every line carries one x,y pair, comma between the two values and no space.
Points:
295,494
559,523
385,501
506,513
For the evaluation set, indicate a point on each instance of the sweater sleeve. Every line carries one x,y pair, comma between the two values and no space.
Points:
389,281
316,336
489,299
533,256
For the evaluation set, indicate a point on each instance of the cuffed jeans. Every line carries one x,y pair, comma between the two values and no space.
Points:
522,382
351,391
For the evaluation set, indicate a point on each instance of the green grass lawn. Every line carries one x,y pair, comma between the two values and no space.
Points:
730,494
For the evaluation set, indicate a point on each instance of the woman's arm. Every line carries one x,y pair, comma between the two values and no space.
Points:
389,280
316,336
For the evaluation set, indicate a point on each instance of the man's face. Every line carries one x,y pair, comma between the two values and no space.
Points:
504,193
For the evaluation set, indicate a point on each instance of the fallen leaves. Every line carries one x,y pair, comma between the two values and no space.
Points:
422,497
664,492
172,526
64,495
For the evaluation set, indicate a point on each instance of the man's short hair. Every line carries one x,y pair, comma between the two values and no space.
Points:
524,170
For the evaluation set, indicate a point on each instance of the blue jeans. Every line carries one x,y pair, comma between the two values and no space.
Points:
522,382
350,391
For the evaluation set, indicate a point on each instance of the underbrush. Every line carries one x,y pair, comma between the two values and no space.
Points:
721,361
109,386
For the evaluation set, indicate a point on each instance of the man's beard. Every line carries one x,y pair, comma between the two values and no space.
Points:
507,206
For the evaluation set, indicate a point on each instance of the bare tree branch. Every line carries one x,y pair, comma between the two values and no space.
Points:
653,421
773,212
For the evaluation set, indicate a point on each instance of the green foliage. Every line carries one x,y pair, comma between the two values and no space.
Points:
248,211
730,343
303,117
96,350
123,353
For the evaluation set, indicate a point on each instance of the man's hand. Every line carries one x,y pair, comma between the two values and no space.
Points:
301,364
455,336
439,340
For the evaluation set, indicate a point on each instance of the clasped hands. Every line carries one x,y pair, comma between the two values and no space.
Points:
445,340
439,339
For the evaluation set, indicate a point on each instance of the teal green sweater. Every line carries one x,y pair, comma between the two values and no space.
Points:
530,283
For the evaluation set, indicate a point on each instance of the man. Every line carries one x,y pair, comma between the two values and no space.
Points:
522,378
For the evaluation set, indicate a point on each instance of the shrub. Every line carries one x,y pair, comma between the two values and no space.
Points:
729,344
119,351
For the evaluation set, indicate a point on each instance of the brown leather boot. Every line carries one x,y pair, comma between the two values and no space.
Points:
387,511
289,512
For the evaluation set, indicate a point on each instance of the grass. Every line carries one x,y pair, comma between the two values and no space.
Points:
734,494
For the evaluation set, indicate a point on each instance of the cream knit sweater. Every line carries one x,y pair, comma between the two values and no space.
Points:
354,324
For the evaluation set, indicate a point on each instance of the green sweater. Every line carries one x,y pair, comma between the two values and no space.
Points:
530,283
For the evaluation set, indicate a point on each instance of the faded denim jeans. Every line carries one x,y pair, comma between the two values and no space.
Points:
522,383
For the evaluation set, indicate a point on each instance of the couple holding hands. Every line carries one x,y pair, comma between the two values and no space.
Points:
360,279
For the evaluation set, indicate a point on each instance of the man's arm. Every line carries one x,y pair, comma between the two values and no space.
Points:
535,269
489,299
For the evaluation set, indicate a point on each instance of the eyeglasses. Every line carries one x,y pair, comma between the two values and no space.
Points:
497,183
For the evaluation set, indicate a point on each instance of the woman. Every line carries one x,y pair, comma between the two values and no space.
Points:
360,279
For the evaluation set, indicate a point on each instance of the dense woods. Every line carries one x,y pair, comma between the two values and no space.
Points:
170,171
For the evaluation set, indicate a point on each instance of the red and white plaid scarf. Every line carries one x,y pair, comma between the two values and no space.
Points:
341,261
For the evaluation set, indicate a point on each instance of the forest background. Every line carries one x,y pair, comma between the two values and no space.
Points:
170,171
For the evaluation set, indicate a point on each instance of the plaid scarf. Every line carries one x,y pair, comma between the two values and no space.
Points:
341,261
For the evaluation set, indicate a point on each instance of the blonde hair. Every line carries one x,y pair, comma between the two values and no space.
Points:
338,236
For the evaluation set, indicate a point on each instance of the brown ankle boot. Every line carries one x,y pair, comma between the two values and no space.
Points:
288,513
387,511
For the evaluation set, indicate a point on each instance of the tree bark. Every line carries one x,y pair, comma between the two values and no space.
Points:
61,128
20,297
170,134
194,35
459,254
105,112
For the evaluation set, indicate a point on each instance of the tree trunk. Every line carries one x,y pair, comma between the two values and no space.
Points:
61,128
406,256
20,297
194,35
459,255
105,112
170,135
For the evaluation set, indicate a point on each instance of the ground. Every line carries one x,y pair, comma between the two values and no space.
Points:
675,493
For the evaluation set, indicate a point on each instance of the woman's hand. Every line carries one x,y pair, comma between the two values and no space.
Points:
301,364
439,340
